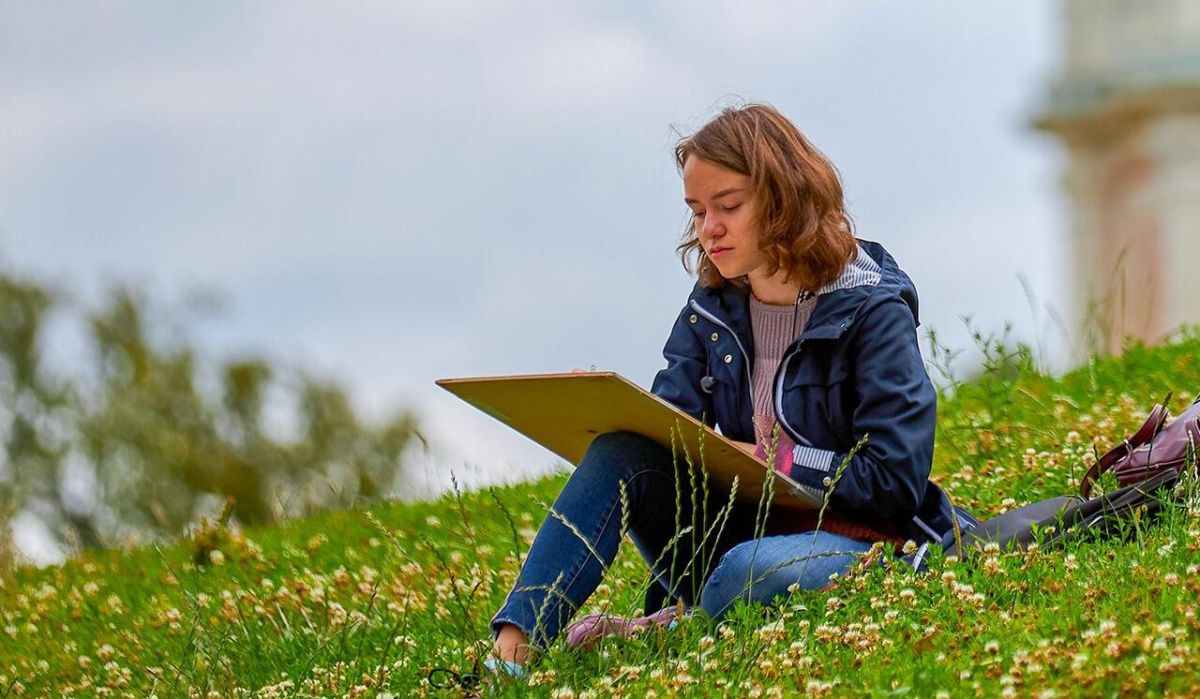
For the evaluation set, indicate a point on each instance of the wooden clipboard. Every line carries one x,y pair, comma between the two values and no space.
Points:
564,412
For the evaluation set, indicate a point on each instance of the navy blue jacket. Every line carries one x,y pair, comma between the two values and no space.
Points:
855,370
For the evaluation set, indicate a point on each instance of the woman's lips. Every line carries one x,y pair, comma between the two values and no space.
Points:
717,251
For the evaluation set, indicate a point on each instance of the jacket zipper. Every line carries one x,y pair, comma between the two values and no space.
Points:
777,383
745,356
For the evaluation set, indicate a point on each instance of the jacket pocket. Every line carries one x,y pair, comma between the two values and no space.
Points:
820,371
815,401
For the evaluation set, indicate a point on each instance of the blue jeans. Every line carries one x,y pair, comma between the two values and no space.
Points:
679,530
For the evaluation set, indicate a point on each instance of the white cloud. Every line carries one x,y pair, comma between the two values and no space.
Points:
402,191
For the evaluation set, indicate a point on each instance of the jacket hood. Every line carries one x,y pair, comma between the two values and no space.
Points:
893,280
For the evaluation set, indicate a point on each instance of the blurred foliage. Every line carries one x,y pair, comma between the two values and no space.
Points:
161,437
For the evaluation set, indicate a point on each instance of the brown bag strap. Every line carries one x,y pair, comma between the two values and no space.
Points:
1144,434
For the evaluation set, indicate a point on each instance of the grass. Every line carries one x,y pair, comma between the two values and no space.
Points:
367,603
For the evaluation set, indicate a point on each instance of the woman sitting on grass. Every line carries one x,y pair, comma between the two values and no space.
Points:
798,340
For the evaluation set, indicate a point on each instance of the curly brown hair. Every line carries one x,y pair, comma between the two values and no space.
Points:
797,196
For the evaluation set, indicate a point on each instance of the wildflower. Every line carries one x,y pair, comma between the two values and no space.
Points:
772,632
216,558
910,547
992,647
1070,563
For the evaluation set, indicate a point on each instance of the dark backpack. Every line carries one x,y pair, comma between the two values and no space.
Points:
1060,519
1148,464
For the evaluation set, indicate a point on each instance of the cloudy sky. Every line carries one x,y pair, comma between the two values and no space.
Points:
394,192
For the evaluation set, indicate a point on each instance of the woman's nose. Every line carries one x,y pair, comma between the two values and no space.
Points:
712,227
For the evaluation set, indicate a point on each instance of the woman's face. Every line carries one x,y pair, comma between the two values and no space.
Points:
722,214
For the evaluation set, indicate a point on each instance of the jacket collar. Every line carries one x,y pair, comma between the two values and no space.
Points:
838,303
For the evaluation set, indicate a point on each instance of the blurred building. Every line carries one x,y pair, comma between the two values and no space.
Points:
1126,105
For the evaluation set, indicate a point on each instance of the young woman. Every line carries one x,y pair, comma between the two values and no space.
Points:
797,335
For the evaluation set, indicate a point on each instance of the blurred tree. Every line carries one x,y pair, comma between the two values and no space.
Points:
160,450
35,416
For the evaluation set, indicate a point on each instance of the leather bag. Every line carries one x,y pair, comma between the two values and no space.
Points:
1153,448
1059,520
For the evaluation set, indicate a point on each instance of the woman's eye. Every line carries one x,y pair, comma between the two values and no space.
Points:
697,214
732,208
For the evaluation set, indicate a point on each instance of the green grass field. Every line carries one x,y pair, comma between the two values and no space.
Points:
366,603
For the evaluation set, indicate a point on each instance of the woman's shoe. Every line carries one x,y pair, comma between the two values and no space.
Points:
505,667
593,627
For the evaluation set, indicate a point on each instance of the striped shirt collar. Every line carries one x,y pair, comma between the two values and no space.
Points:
863,271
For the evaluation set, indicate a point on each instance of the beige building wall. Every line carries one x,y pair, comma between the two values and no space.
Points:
1126,106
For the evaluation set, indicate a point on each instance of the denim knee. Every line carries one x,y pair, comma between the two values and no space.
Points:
620,444
619,455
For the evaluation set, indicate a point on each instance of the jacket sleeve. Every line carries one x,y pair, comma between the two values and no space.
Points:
687,362
896,411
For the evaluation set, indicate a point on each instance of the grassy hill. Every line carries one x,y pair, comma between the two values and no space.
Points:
365,603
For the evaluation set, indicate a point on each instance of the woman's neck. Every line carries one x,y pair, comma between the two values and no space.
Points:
776,290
